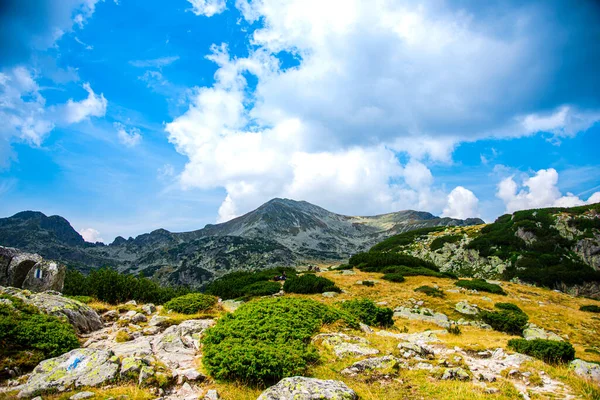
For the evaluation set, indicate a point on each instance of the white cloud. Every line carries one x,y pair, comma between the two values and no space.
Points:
208,8
130,138
91,235
462,203
538,191
154,63
92,106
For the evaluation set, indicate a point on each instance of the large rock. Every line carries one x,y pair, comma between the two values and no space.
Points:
30,271
532,332
345,345
422,314
177,345
385,364
77,368
586,369
464,307
300,388
81,316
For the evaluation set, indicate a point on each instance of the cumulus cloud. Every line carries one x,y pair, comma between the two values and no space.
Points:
91,235
129,138
31,25
92,106
462,203
208,8
371,80
538,191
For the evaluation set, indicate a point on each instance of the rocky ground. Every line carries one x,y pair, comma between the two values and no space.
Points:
136,351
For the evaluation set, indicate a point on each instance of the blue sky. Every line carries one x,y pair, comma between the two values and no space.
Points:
127,116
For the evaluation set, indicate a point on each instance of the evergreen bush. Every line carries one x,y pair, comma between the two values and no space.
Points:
505,321
430,291
368,312
393,277
191,303
590,308
309,284
550,351
480,285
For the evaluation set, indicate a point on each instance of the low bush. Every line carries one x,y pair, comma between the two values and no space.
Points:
113,287
191,303
550,351
82,299
454,329
439,242
430,291
480,285
505,321
394,277
590,308
508,307
412,271
309,284
395,242
343,267
368,312
266,340
239,284
28,336
262,288
368,283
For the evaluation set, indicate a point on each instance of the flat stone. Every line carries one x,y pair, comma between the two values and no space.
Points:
149,308
586,369
466,308
329,294
158,320
82,395
211,395
532,332
422,314
301,388
385,363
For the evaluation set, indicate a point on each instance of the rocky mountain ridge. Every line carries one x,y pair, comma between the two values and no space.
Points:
280,232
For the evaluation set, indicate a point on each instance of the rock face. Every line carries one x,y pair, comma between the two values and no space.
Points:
280,232
300,388
82,317
532,332
422,314
586,369
29,271
77,368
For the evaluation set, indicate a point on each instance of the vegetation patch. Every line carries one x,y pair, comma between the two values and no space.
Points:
368,283
439,242
550,351
309,284
28,336
191,303
508,307
511,322
480,285
245,284
266,340
368,312
413,271
375,261
113,287
590,308
431,291
398,278
395,242
343,267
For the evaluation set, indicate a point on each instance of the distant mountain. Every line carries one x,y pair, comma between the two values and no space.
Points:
280,232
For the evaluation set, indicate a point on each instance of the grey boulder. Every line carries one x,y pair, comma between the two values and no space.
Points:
586,369
301,388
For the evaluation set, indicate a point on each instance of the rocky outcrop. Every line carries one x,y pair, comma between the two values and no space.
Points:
422,314
344,345
532,332
385,364
77,368
83,318
586,369
301,388
464,307
29,271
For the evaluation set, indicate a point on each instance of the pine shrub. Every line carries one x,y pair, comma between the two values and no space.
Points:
430,291
505,321
508,307
480,285
191,303
309,284
393,277
368,312
590,308
550,351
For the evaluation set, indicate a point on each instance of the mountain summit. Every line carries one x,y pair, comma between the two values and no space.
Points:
279,232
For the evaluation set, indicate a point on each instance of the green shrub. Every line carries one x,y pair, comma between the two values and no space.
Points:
309,284
590,308
508,307
412,271
398,278
343,267
439,242
368,283
266,340
430,291
262,288
113,287
454,329
395,242
374,261
368,312
82,299
480,285
505,321
191,303
28,336
238,284
550,351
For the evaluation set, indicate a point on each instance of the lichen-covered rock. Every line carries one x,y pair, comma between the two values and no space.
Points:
330,294
586,369
82,396
411,349
456,374
344,345
301,388
385,364
83,318
139,347
177,345
110,315
422,314
420,338
211,395
149,308
464,307
138,317
131,366
532,332
231,305
158,320
77,368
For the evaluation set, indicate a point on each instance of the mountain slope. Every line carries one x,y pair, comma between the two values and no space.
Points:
280,232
